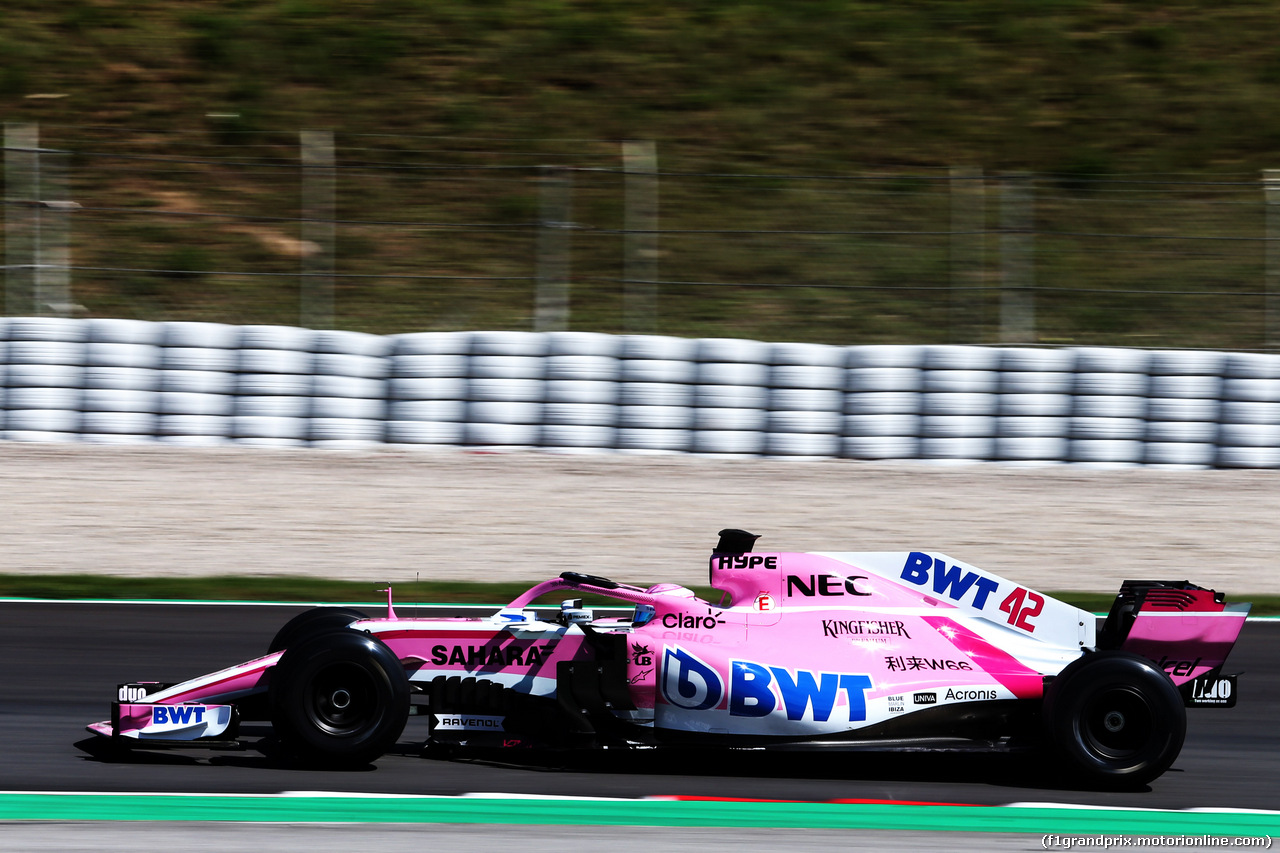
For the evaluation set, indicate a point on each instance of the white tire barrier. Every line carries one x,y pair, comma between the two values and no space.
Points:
801,444
879,426
1031,448
880,447
199,335
883,403
655,440
506,367
748,420
580,414
197,381
125,381
735,442
187,403
1181,453
586,391
656,393
502,434
864,380
583,367
886,355
427,410
176,426
959,404
198,358
271,407
431,343
433,432
973,448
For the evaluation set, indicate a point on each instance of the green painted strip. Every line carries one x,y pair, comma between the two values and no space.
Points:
356,809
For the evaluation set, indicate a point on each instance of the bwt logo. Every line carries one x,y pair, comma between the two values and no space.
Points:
178,715
948,581
758,691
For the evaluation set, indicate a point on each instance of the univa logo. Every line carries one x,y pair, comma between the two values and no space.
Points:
756,690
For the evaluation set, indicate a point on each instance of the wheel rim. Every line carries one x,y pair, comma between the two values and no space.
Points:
1117,723
342,699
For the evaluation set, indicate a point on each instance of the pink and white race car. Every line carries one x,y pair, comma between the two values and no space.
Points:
883,651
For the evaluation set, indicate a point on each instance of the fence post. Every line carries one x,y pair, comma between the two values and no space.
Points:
968,252
316,249
640,250
21,217
1017,260
1271,306
37,226
551,312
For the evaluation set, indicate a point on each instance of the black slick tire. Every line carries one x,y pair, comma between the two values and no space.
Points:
312,623
1115,719
339,699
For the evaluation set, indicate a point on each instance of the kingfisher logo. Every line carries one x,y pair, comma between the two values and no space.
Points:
756,690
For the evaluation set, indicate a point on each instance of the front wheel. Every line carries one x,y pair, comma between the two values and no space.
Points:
1115,718
340,699
312,623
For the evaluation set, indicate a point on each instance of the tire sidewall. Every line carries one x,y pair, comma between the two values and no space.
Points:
382,691
1099,676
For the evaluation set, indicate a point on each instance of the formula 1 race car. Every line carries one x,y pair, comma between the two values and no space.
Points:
885,651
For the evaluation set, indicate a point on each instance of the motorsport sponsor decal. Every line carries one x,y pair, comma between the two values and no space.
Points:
764,603
863,628
896,663
756,690
133,692
825,585
1178,667
468,723
896,705
966,694
177,715
745,561
690,620
1211,690
971,588
641,655
490,655
177,722
929,698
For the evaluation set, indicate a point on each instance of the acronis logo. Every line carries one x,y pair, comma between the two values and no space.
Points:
756,690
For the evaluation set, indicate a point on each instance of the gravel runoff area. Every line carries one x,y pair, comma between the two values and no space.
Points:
392,514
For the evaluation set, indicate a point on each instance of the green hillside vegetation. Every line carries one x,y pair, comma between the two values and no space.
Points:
428,98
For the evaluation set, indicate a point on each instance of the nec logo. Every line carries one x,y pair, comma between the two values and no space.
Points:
757,691
828,585
948,581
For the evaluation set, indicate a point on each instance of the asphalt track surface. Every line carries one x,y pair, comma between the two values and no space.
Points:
62,661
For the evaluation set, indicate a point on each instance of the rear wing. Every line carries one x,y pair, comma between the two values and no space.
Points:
1187,630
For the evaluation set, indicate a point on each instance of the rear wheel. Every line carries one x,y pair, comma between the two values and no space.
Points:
1116,719
312,623
339,699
